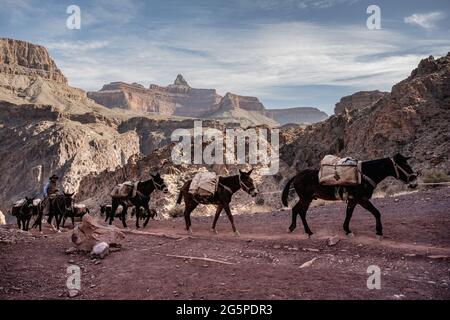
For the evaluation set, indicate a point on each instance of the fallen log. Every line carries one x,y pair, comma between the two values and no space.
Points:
151,234
197,258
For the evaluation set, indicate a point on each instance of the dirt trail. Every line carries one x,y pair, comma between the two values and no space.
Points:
263,263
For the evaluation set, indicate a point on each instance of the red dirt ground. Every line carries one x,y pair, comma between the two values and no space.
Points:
264,261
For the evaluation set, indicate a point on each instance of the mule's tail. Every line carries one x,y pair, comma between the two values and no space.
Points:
285,194
180,196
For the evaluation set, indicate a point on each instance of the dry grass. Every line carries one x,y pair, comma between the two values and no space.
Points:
434,176
176,211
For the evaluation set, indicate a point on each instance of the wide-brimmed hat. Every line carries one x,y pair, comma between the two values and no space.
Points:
53,177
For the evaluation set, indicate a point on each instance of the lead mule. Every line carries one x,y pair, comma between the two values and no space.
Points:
307,186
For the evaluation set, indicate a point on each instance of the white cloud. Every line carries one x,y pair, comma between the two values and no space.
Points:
300,4
76,45
425,20
248,60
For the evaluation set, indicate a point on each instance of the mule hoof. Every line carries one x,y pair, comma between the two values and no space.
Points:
59,231
190,231
236,233
350,235
214,231
311,236
379,237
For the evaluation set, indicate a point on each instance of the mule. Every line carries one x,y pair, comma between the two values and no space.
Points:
141,200
75,211
23,213
227,186
307,186
61,206
105,210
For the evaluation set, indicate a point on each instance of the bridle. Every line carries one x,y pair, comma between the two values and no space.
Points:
244,186
398,168
158,186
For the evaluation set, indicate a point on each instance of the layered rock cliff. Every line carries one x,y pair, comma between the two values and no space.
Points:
359,100
47,127
176,99
180,99
301,115
413,119
23,58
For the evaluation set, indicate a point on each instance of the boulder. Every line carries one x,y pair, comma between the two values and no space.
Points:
100,250
91,233
332,241
2,219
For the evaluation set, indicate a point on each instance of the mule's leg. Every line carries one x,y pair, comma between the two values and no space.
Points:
230,217
40,222
147,209
187,215
50,217
58,218
366,204
112,213
18,222
216,217
28,224
137,209
124,215
348,216
303,209
295,213
64,217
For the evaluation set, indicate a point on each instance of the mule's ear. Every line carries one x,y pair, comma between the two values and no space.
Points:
240,171
398,157
250,172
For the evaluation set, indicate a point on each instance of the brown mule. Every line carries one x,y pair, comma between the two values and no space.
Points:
227,186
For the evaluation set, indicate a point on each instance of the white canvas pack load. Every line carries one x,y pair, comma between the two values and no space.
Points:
124,190
335,171
204,184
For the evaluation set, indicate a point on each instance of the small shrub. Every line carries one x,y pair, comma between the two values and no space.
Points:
176,211
434,176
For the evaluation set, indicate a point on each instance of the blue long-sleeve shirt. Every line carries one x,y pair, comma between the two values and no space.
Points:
47,185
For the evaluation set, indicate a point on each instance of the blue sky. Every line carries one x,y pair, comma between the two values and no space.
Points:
289,53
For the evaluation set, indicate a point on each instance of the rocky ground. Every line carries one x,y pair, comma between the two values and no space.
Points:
265,262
